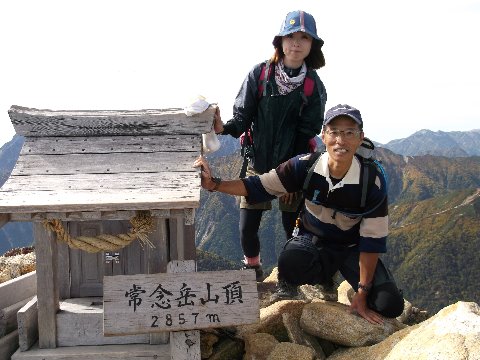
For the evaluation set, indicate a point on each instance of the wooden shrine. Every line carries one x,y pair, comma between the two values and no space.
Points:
90,173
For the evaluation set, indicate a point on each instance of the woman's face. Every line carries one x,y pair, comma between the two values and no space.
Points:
296,47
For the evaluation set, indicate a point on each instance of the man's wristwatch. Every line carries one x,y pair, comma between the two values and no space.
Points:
217,182
365,287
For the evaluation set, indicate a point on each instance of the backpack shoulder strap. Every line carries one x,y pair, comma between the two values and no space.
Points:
312,163
370,168
263,80
308,85
312,79
367,171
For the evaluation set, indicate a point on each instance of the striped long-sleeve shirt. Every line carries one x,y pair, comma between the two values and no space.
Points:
332,211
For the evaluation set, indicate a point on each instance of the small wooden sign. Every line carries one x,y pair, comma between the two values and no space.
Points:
145,303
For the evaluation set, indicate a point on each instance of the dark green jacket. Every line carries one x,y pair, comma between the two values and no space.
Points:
282,124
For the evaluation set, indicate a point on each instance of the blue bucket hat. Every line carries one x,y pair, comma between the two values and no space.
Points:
343,110
299,21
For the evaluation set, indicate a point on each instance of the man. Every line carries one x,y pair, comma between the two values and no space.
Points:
336,232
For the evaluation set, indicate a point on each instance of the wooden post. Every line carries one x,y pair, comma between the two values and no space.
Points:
4,218
189,248
63,272
184,345
47,288
157,259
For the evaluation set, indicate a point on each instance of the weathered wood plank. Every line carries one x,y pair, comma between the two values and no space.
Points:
104,163
87,315
86,269
113,144
65,201
35,122
97,215
182,302
27,318
4,218
8,345
47,289
21,217
8,317
105,352
184,345
18,289
102,182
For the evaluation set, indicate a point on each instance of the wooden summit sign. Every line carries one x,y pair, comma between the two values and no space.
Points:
135,304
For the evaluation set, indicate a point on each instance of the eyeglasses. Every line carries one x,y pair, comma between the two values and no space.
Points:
346,134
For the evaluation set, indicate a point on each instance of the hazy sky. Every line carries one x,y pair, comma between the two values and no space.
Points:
407,65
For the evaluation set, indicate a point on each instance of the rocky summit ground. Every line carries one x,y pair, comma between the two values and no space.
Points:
16,262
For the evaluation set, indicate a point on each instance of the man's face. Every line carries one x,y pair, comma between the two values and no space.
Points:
342,137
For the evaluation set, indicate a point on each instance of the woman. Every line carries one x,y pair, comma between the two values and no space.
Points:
283,116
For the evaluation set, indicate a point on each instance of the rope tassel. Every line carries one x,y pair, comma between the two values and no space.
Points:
142,225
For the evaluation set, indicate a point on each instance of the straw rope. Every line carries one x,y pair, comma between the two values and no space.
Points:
142,225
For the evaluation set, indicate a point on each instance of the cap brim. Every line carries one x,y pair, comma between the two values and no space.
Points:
299,29
315,37
326,122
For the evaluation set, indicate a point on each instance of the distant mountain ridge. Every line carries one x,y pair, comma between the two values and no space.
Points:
439,143
434,217
12,234
8,157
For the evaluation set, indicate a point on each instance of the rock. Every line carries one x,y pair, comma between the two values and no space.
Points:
289,351
452,334
374,352
15,266
271,319
228,349
333,322
273,277
207,340
412,315
298,336
345,293
318,293
258,346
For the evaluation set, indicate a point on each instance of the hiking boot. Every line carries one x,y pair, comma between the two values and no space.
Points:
258,271
285,291
327,292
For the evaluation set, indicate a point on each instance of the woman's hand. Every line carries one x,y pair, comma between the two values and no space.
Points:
218,124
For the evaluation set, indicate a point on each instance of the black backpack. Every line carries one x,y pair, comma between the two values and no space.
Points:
370,167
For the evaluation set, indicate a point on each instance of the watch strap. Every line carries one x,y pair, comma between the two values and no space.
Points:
217,182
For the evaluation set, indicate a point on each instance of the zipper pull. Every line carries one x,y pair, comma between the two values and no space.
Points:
296,229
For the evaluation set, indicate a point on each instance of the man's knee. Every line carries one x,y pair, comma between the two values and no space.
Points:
298,262
387,300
